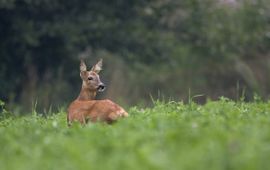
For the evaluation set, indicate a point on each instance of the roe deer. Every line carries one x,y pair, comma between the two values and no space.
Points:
85,107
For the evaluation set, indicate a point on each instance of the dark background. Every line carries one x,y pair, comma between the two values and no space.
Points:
167,49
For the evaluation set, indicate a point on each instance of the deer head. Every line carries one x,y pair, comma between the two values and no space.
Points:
91,83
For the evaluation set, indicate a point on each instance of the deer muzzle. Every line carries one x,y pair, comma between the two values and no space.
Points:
101,87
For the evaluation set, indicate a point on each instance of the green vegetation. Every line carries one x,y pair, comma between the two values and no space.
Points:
218,135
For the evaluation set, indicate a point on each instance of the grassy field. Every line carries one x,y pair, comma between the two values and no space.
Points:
218,135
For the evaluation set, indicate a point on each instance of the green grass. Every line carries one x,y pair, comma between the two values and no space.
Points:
218,135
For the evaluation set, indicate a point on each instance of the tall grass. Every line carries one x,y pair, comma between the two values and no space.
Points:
218,135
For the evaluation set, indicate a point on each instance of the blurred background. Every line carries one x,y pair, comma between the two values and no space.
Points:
169,49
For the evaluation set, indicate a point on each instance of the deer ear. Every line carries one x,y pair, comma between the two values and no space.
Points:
83,66
98,67
83,69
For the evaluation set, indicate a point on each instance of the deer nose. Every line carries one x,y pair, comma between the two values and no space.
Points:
101,87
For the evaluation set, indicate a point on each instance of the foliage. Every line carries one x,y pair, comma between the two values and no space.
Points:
207,46
218,135
4,113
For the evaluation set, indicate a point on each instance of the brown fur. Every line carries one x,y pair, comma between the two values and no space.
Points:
95,110
85,108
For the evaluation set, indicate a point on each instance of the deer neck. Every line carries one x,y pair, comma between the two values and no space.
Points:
86,94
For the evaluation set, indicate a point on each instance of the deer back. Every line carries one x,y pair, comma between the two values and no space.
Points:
95,110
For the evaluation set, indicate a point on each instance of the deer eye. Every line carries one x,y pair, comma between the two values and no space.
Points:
90,78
